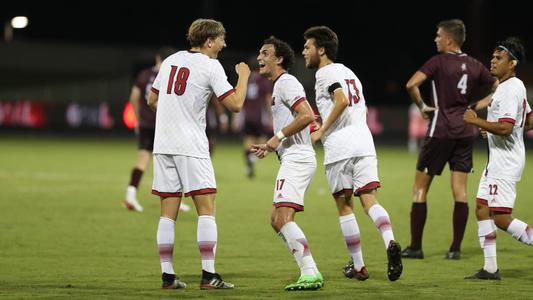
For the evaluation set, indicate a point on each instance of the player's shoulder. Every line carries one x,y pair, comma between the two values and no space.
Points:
513,84
287,79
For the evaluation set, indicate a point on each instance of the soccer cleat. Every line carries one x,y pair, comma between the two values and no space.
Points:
484,275
453,255
171,282
394,256
214,282
306,283
350,272
412,253
133,204
184,207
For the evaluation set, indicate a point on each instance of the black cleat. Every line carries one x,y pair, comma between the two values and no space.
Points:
484,275
171,282
350,272
453,255
412,253
394,255
214,281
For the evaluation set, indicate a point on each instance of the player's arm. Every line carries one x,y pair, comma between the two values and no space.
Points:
529,122
135,100
485,102
340,103
503,128
413,89
221,114
235,101
268,104
152,100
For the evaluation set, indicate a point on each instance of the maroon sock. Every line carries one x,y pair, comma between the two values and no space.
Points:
135,178
460,216
418,220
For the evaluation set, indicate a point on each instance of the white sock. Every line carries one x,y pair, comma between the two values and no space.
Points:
131,193
483,228
521,231
165,244
351,233
489,250
207,241
297,244
382,221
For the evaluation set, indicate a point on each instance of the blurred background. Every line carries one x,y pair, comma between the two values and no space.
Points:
69,68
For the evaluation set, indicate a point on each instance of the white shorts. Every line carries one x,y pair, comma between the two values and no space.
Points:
291,183
175,175
353,175
498,194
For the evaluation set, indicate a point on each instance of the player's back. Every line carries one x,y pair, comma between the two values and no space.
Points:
455,77
144,83
185,83
349,136
255,104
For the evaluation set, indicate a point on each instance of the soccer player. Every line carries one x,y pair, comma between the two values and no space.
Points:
254,122
145,128
349,158
507,114
454,78
291,115
180,94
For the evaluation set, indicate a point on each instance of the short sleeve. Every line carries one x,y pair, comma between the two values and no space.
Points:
292,93
219,81
528,108
431,66
507,106
326,79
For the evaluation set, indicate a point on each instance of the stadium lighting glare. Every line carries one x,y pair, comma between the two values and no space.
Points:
19,22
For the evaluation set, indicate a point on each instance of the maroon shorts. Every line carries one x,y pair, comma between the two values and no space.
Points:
145,139
436,152
256,129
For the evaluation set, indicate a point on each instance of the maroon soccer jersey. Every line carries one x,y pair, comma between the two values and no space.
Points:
144,82
454,78
254,105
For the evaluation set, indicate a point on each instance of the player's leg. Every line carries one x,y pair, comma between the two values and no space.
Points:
486,233
167,186
291,183
143,159
339,176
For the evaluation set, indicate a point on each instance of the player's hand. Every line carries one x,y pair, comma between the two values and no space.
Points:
273,143
260,150
242,69
316,135
470,116
427,110
483,133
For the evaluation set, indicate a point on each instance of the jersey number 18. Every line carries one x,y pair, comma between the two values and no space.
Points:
181,80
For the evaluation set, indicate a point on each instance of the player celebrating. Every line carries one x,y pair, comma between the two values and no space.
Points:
291,115
350,157
505,122
180,93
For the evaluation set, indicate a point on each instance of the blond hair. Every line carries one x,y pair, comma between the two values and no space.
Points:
202,29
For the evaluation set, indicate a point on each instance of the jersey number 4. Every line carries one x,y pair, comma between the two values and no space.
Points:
462,84
180,82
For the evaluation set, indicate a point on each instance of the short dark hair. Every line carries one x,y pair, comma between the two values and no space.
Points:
324,37
281,49
514,47
165,52
456,28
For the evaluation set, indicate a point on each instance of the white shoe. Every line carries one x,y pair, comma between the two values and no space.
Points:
133,204
185,207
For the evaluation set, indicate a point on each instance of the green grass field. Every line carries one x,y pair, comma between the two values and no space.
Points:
64,233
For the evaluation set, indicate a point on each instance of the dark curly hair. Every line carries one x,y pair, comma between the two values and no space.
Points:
281,49
324,37
514,47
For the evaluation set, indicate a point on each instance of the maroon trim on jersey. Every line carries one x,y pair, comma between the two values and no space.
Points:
223,96
190,51
507,120
296,207
153,89
506,79
298,102
501,209
369,186
482,201
342,192
274,81
166,194
529,113
201,192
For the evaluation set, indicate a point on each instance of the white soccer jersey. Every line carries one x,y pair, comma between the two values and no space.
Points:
287,94
185,84
507,153
349,136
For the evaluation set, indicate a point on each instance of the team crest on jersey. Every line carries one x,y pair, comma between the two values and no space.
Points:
463,67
